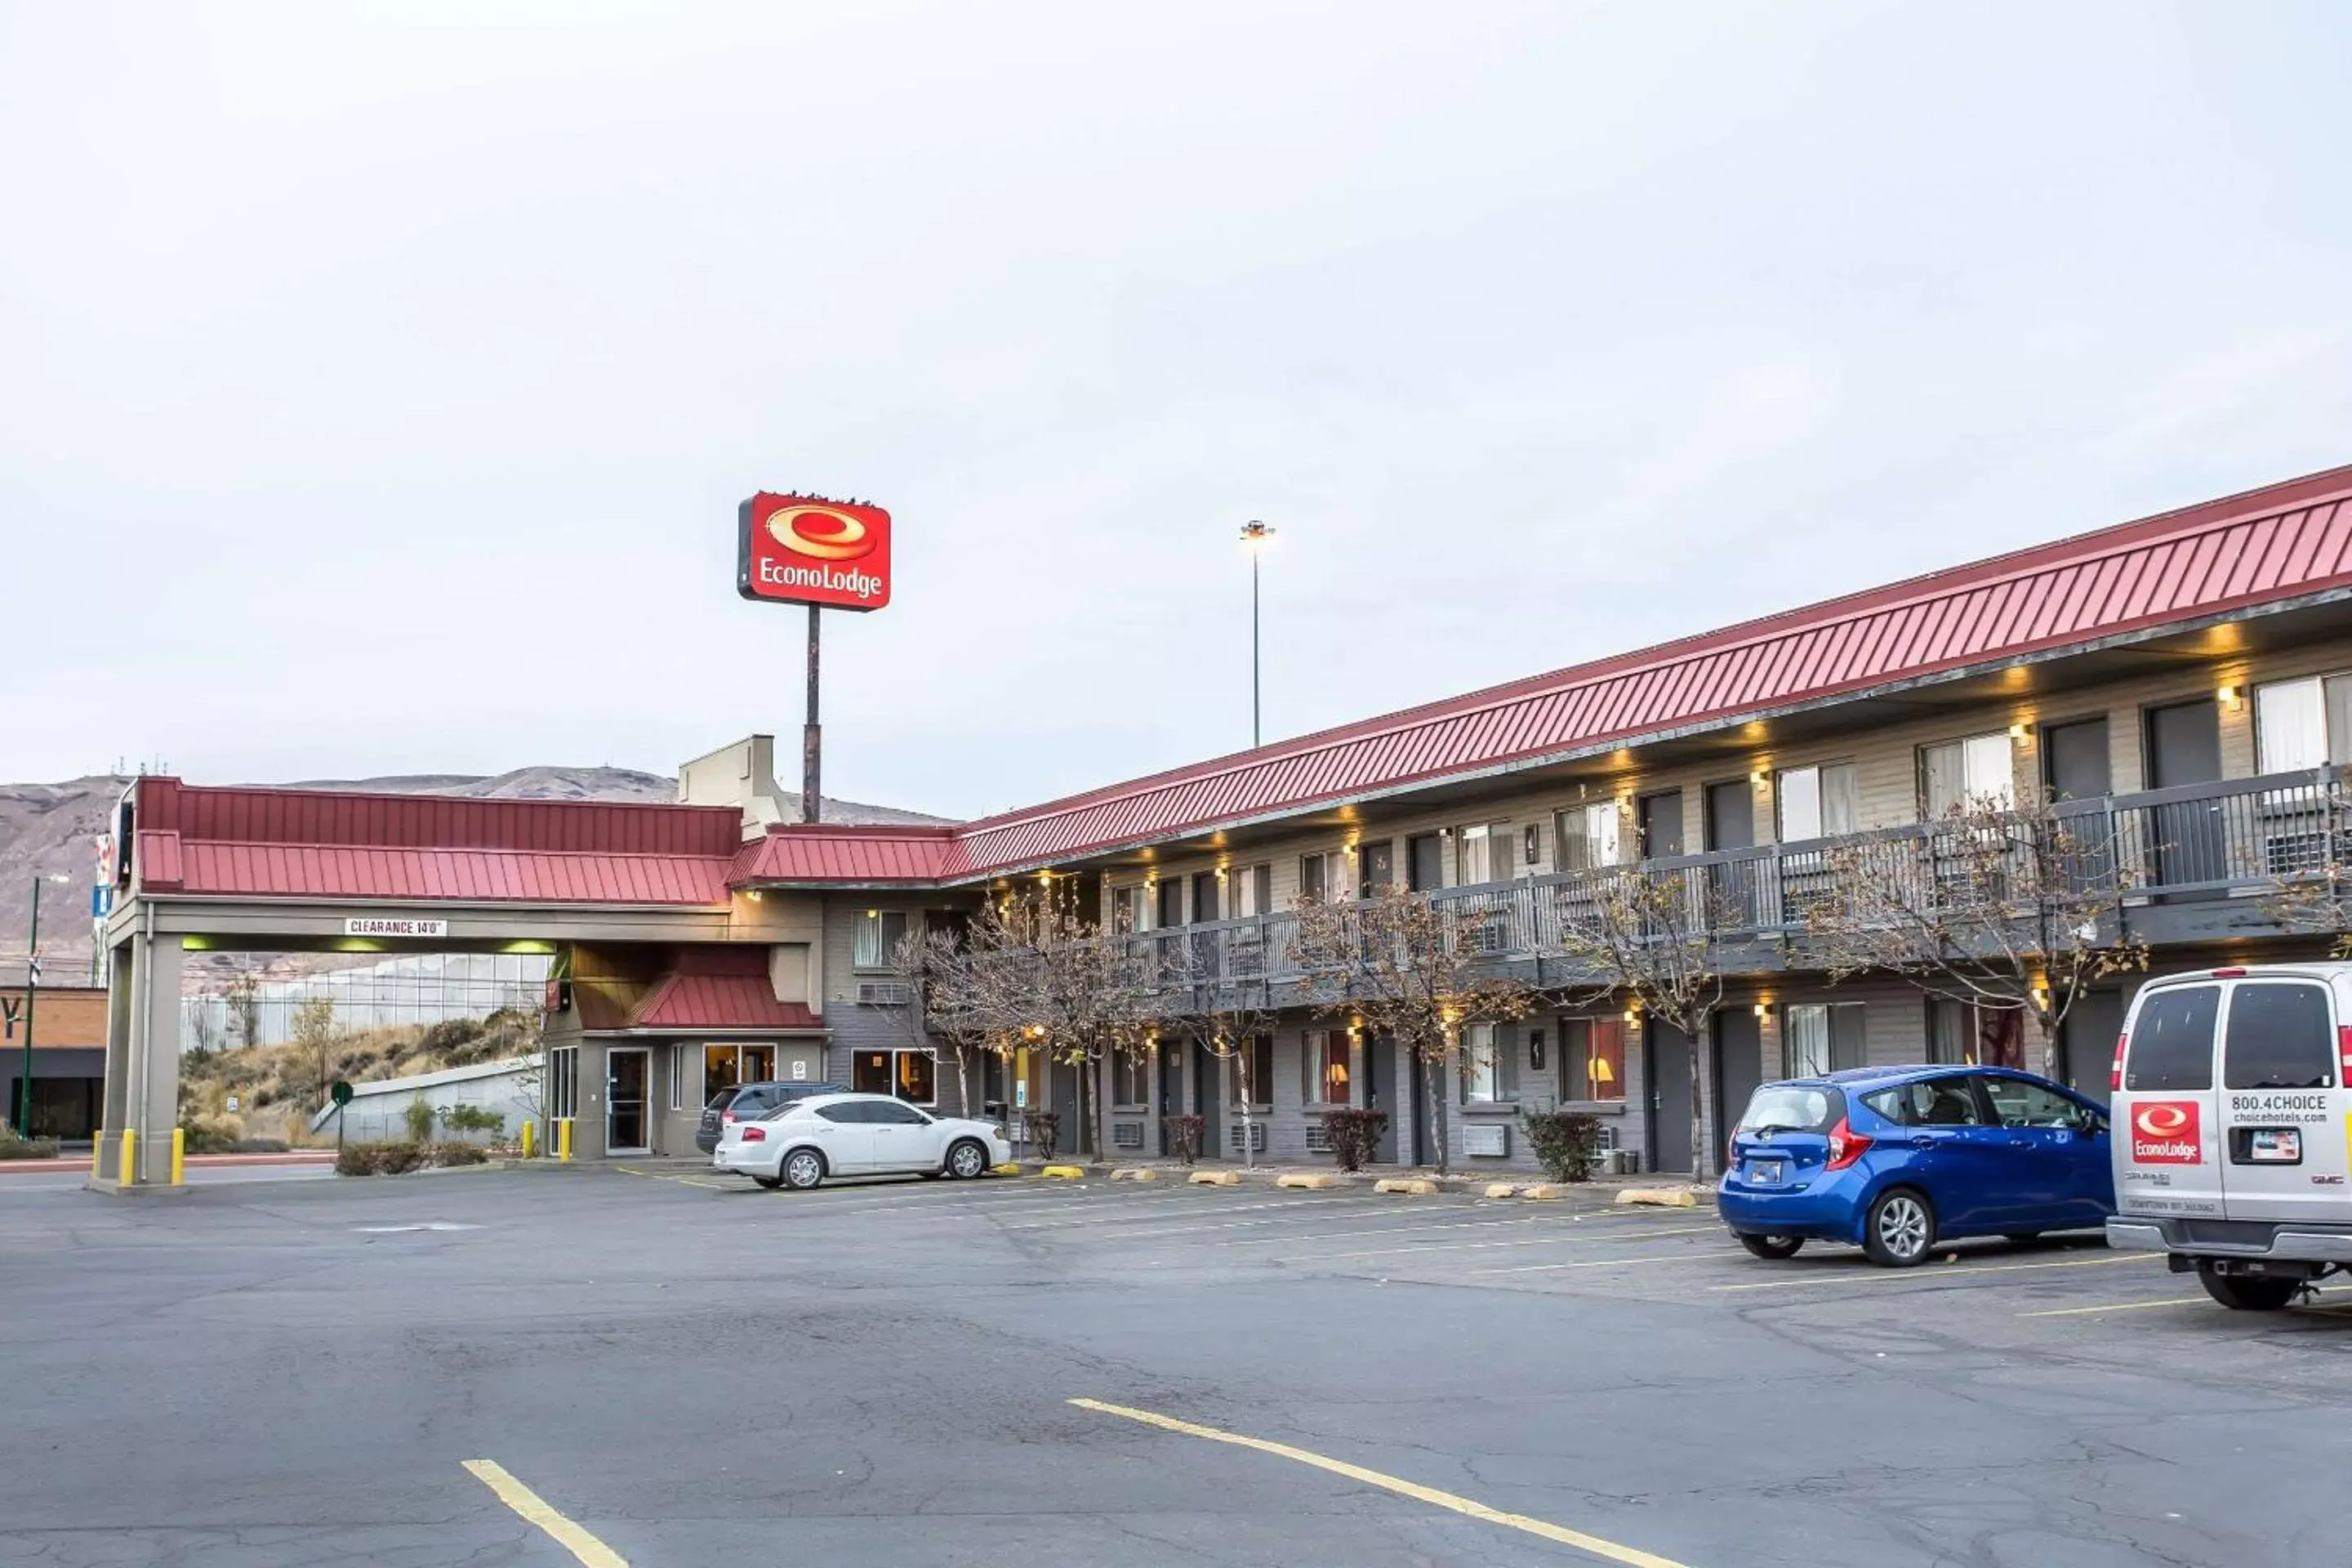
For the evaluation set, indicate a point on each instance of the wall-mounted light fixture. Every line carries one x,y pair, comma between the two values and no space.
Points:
2227,696
2021,730
1763,1009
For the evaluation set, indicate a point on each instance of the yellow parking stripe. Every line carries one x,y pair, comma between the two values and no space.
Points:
1918,1275
2117,1307
537,1510
1593,1544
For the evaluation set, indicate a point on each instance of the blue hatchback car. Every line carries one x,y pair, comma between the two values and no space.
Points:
1895,1159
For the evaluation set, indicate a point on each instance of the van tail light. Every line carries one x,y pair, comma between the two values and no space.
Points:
1846,1145
755,1135
2115,1077
2344,1052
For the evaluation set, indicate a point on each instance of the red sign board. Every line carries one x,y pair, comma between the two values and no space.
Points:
2166,1132
804,549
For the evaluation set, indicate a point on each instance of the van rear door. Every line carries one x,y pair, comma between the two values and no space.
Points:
2165,1114
2280,1139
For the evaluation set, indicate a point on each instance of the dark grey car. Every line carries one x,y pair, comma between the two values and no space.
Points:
749,1103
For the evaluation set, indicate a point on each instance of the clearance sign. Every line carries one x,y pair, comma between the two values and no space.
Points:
805,550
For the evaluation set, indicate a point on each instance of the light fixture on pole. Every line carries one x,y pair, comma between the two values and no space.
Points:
32,987
1255,535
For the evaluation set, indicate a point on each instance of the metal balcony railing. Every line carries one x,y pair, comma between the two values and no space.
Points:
2243,835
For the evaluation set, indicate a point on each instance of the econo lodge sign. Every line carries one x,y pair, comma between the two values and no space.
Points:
802,549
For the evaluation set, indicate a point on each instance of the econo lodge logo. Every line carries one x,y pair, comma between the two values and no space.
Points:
2166,1132
805,550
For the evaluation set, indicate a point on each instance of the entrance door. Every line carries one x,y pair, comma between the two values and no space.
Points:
1731,825
2074,760
1665,1068
1377,862
1171,1090
1425,863
1208,1095
1380,1092
1662,825
2086,1042
626,1073
2186,837
1738,1066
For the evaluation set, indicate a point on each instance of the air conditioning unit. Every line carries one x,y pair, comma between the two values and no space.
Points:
1127,1135
884,994
1257,1136
1486,1138
1318,1136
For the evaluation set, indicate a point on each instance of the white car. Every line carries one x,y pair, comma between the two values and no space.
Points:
823,1135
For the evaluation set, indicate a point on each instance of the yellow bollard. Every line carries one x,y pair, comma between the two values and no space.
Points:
179,1152
564,1139
529,1139
129,1155
97,1156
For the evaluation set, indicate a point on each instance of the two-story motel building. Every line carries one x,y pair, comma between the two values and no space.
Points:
2192,670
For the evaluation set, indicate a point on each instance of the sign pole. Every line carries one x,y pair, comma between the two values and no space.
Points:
812,733
32,989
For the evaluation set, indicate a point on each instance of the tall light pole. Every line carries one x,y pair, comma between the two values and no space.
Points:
32,986
1255,535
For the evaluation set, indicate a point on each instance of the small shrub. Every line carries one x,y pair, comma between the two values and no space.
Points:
210,1135
1355,1135
13,1147
379,1159
457,1155
1183,1134
1567,1144
259,1146
1045,1129
473,1119
419,1117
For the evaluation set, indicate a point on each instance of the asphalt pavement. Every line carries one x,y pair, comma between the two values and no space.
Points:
588,1365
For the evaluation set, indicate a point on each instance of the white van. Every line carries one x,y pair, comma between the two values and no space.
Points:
2233,1129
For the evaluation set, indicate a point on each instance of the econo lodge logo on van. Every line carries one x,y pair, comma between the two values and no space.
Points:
2165,1132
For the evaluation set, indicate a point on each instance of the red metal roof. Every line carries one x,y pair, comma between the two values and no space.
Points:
719,988
271,843
859,855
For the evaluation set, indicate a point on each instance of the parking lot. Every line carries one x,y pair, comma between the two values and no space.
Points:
662,1366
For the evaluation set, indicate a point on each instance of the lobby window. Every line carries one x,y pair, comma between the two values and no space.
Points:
1485,854
1250,889
1322,877
878,934
1960,774
911,1075
724,1066
1592,1059
1255,1056
1586,836
1483,1067
1326,1062
563,1082
1822,1037
1818,801
2301,724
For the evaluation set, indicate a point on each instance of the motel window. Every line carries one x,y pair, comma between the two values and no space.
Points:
563,1082
1959,774
1326,1062
911,1075
724,1066
1130,1079
1322,877
1131,909
1587,836
1254,1056
678,1055
1960,1033
1250,889
2301,724
1819,1037
878,934
1485,854
1484,1069
1818,801
1592,1059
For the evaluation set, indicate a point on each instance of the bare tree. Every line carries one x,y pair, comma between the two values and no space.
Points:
1658,937
243,994
1410,970
2010,909
2313,893
932,967
319,1044
1225,1016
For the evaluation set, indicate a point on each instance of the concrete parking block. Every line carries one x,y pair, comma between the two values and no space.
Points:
1310,1181
1135,1174
1660,1197
1064,1172
1502,1190
1417,1187
1216,1178
1544,1192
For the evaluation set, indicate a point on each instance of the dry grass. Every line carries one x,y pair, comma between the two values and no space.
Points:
277,1088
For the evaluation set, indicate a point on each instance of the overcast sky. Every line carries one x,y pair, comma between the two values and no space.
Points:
377,382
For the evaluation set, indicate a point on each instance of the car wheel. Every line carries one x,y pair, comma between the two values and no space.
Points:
1900,1229
803,1168
1775,1247
967,1160
2247,1293
770,1182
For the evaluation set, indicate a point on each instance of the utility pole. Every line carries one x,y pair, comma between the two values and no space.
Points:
1255,535
812,734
